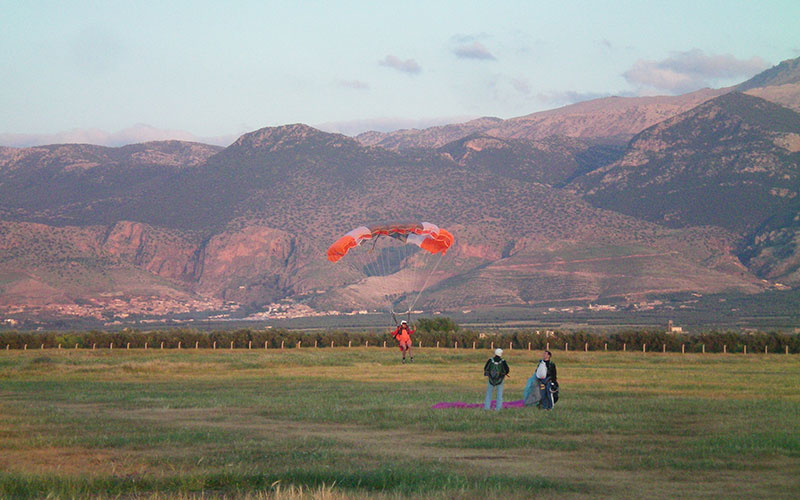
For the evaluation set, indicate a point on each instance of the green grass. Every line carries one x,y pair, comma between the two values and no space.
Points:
355,423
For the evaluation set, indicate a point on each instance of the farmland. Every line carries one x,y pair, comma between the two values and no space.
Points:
355,423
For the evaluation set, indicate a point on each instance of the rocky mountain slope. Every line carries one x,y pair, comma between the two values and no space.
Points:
730,162
545,208
733,162
64,183
780,84
250,225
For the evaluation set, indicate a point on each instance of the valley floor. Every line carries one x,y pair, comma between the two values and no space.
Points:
355,423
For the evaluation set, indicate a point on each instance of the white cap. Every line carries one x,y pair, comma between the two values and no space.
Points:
404,322
498,352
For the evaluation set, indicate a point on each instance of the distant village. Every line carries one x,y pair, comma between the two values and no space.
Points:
116,310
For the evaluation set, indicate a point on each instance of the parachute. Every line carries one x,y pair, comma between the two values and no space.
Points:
396,260
425,235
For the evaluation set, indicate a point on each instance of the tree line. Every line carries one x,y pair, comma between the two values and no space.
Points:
441,332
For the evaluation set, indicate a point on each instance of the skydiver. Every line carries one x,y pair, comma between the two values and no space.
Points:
402,335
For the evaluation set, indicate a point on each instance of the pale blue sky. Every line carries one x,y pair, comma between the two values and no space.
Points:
222,68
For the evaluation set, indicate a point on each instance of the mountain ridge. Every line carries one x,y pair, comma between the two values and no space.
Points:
697,152
201,228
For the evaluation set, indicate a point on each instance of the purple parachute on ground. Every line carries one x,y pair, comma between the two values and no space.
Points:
460,404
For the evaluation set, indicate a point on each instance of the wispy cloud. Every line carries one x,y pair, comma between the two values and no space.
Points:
522,85
474,50
353,84
409,66
692,70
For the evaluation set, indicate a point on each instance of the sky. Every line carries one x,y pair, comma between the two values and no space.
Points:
113,72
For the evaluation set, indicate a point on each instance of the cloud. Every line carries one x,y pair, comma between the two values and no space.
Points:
521,85
692,70
474,50
409,66
353,84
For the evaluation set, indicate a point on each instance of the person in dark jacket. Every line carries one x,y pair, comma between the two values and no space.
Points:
496,369
545,385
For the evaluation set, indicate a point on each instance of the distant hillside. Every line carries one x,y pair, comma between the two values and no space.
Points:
432,137
609,120
553,161
733,162
785,73
780,84
67,183
611,199
250,225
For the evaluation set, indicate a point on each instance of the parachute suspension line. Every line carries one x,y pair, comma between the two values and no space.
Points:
374,260
365,262
382,275
424,285
382,259
428,276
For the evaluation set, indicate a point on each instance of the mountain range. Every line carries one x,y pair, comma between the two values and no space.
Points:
611,199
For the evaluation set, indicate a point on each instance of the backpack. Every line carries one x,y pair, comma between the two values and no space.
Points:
495,372
541,370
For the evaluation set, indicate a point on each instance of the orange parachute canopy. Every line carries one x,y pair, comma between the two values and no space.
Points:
425,235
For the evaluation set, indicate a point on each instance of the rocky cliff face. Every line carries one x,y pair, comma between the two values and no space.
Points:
45,266
254,265
251,265
168,254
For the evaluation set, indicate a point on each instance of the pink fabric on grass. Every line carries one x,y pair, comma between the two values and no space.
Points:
459,404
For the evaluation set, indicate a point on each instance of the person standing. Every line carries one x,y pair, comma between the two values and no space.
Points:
403,337
496,369
542,384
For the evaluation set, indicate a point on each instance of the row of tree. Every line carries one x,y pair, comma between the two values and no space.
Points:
440,332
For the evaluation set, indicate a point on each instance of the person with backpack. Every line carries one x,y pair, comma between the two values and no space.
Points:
496,369
542,388
403,337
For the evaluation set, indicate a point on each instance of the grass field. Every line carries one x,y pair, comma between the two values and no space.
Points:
355,423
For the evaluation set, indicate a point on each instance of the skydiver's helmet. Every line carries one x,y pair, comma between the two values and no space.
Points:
404,323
